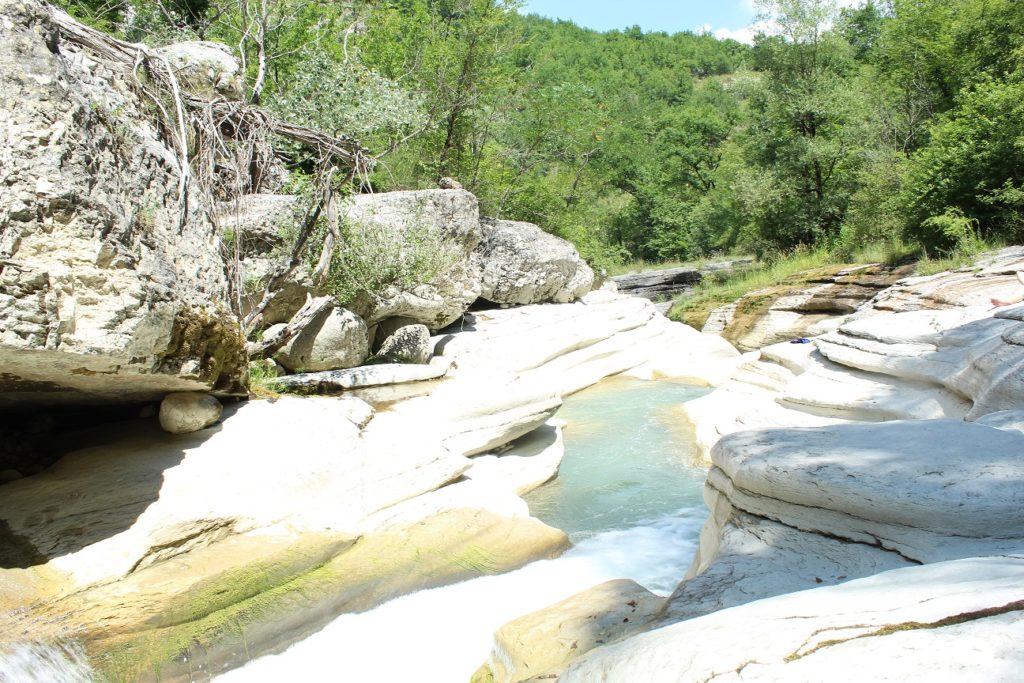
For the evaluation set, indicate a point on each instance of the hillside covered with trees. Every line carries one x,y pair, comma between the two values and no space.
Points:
897,121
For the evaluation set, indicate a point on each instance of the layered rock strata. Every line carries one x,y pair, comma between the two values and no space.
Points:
319,489
765,317
888,443
112,286
952,620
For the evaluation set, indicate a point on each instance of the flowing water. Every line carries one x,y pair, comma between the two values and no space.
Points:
628,496
36,662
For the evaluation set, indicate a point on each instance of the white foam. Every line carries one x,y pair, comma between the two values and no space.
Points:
37,662
445,634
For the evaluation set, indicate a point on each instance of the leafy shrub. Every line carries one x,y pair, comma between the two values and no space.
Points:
372,258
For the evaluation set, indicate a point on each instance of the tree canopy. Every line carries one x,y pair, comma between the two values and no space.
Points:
894,119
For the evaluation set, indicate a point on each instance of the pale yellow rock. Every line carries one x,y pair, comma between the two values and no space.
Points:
545,642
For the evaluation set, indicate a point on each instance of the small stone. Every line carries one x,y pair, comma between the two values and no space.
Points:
7,476
409,344
183,413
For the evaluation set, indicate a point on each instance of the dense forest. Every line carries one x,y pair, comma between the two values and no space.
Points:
898,121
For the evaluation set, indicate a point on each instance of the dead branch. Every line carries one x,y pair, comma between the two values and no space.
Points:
330,241
307,314
236,117
255,317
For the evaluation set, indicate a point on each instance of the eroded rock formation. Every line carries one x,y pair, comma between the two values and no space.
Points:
112,287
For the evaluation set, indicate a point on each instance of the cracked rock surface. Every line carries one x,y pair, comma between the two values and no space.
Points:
103,296
957,620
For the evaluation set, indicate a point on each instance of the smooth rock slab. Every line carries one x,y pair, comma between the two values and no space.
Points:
959,620
356,378
930,490
183,413
743,558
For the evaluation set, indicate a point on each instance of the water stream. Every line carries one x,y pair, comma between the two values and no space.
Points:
628,496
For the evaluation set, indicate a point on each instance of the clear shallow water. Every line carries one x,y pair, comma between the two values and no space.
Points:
627,461
626,494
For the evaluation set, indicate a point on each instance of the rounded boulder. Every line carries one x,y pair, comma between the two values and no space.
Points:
183,413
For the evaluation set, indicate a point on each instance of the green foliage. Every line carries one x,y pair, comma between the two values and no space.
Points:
890,122
372,258
727,286
263,380
347,99
971,166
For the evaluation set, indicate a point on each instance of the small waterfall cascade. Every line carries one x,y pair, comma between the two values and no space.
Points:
629,496
53,663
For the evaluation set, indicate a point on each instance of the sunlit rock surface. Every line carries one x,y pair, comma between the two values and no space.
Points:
959,620
112,289
522,264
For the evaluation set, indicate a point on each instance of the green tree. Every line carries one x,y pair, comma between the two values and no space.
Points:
807,133
450,51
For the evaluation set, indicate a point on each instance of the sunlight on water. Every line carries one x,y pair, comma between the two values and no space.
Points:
626,494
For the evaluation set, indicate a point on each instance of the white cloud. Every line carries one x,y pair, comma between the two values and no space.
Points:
743,35
746,34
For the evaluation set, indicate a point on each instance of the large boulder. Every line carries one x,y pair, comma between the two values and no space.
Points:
106,294
443,222
205,68
400,231
407,344
337,339
189,412
522,264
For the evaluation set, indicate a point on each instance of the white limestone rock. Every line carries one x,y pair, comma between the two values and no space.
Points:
494,339
295,464
522,264
205,68
1011,420
184,413
744,557
949,621
337,339
333,381
685,355
530,461
103,296
543,642
930,490
407,344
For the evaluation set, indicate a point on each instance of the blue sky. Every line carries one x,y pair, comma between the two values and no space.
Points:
724,16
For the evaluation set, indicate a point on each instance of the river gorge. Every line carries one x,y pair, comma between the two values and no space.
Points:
221,460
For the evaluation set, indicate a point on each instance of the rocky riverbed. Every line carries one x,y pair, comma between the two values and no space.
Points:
155,525
870,484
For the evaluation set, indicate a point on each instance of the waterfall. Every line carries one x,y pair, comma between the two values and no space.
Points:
45,663
627,494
